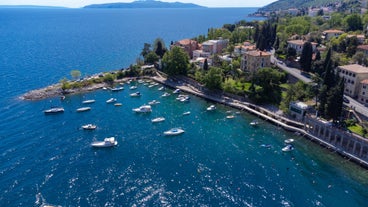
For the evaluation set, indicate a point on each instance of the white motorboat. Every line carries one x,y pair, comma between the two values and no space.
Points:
183,98
150,86
186,113
289,141
165,94
118,104
254,123
211,108
83,109
158,119
161,88
230,116
136,94
89,127
143,109
117,89
133,87
89,101
54,110
108,142
111,100
153,102
177,90
288,148
174,131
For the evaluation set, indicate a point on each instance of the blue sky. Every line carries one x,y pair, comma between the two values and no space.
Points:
80,3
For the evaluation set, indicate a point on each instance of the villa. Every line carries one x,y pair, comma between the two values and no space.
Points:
255,59
356,81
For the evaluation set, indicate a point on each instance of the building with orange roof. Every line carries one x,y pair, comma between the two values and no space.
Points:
255,59
188,45
241,49
328,34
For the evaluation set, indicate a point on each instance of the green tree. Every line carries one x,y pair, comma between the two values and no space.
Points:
205,65
159,47
213,78
353,22
175,62
108,78
146,49
76,74
306,57
268,80
360,58
65,84
322,97
334,104
151,58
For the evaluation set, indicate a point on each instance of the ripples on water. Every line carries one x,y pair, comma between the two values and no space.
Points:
217,161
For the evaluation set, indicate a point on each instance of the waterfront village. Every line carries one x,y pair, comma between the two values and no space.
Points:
302,71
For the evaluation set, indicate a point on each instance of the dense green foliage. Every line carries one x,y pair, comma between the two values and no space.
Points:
175,62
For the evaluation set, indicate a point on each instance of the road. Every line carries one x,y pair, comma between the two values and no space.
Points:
358,107
292,71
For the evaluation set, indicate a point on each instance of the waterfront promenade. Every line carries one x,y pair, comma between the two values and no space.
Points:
263,113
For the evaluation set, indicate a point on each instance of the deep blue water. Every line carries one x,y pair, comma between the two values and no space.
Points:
216,162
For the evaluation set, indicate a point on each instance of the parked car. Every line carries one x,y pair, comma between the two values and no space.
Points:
346,100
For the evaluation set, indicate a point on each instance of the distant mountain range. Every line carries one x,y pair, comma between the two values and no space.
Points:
145,4
287,4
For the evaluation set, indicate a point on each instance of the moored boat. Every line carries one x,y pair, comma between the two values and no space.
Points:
117,89
158,119
211,108
288,148
165,94
89,127
174,131
111,100
254,123
108,142
89,101
177,90
118,104
186,113
153,102
230,116
83,109
136,94
143,109
133,87
54,110
289,141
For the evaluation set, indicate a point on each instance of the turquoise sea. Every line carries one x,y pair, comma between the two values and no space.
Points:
47,159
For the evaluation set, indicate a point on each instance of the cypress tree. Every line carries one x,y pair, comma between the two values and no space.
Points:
306,57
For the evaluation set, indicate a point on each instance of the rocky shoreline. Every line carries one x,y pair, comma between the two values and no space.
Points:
56,91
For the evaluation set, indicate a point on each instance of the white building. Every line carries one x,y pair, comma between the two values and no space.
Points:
298,110
353,74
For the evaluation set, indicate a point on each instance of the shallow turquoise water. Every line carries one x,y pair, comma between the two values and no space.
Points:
216,162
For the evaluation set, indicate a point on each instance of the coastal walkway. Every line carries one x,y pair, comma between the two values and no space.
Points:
263,113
